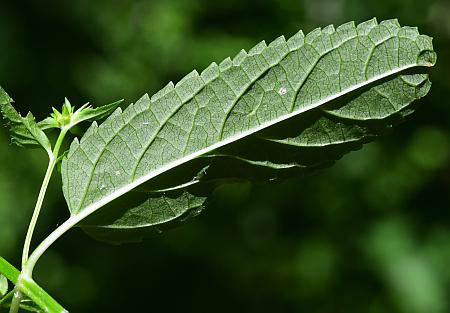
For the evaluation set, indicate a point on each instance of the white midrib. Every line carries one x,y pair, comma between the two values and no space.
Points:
83,213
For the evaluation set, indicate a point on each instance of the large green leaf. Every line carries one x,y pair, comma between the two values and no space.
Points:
278,110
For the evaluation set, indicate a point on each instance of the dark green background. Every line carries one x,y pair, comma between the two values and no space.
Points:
371,234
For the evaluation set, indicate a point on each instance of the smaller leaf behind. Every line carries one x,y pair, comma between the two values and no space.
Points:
157,212
25,132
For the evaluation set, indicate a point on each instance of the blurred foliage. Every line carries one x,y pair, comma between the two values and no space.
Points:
372,234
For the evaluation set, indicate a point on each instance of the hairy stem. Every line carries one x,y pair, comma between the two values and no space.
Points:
51,166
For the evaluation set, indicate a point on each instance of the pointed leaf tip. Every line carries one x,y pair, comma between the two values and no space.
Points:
87,113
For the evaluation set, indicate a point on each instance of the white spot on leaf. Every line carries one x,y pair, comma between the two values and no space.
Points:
282,91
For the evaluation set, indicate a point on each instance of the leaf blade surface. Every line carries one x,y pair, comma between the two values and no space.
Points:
355,77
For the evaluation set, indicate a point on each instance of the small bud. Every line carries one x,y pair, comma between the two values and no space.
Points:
63,118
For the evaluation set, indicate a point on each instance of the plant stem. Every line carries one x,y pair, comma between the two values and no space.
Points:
27,270
37,209
26,275
29,288
51,166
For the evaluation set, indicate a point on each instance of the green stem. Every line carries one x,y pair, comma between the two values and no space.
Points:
37,253
24,279
17,298
29,288
37,209
53,157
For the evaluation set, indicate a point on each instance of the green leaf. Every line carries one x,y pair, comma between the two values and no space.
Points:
48,123
279,110
87,113
25,132
149,213
3,286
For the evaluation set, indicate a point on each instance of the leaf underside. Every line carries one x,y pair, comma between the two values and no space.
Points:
278,110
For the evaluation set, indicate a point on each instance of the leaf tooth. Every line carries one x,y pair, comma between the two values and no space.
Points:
296,41
277,41
75,143
139,106
346,26
168,88
90,131
344,32
143,103
107,124
116,112
258,48
210,73
409,32
276,50
365,27
328,29
4,97
225,64
189,86
383,31
324,43
391,26
391,23
312,35
240,57
192,74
